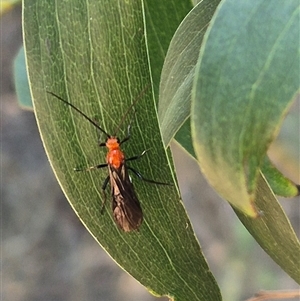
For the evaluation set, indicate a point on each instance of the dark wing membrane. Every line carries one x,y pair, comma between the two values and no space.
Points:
126,207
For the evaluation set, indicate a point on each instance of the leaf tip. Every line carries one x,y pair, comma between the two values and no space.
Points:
250,209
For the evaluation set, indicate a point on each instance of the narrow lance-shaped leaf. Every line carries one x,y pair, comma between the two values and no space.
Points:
176,84
245,83
179,69
241,96
94,55
273,231
286,245
162,19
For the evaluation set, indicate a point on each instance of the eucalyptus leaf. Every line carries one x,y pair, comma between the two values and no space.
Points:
284,248
280,184
162,19
179,68
273,231
94,55
245,83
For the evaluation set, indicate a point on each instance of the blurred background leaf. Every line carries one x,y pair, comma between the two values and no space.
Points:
7,5
21,80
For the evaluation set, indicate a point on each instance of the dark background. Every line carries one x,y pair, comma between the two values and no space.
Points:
48,255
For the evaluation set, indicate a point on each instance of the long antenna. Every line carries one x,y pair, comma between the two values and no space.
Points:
141,94
81,113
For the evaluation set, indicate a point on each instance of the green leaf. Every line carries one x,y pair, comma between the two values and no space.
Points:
285,149
245,83
284,247
280,184
94,55
273,231
21,80
162,20
179,68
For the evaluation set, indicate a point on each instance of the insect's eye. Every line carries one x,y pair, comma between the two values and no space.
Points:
118,140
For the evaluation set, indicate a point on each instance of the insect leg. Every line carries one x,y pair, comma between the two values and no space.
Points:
128,130
128,134
104,183
141,177
104,194
91,167
138,156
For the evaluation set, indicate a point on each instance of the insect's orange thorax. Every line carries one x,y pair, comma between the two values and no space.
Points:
115,156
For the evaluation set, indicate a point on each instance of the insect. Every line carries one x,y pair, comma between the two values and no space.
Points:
127,211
